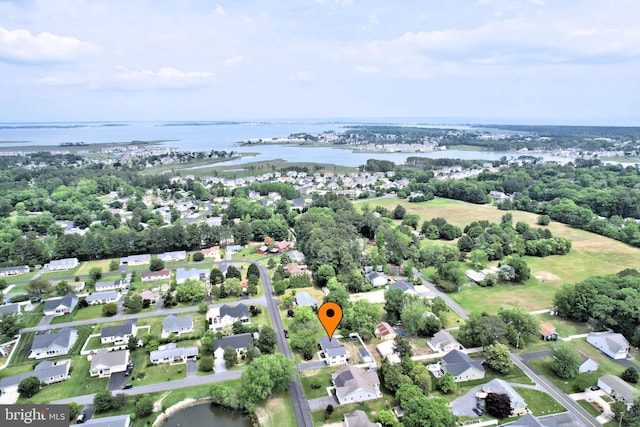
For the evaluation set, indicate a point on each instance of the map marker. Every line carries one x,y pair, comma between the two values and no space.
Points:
330,315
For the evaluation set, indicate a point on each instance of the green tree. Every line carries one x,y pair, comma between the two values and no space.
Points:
39,288
264,376
10,324
271,263
523,323
414,316
110,309
399,212
324,273
132,343
630,375
544,220
216,277
394,303
206,363
156,264
144,407
361,317
191,291
520,267
102,401
230,357
62,288
253,270
566,361
74,410
232,286
267,340
497,358
28,387
133,303
114,265
386,418
478,259
203,307
280,287
447,384
95,273
402,346
233,272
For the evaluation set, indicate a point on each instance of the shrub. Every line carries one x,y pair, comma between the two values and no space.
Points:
316,383
198,256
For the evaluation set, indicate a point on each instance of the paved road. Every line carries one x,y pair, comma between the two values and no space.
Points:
451,303
585,418
165,386
322,402
300,404
535,355
252,301
312,365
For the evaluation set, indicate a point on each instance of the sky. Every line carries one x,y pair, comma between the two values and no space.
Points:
483,61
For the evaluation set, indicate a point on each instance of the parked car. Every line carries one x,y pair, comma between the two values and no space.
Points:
594,388
478,411
127,386
81,417
286,333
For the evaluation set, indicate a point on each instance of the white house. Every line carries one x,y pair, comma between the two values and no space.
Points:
47,372
153,276
104,362
60,306
136,260
588,364
119,334
388,351
618,388
173,256
103,297
238,342
613,345
461,367
444,342
405,287
52,344
13,271
212,252
358,418
334,352
377,279
114,421
62,264
182,274
110,285
173,325
219,317
170,353
354,384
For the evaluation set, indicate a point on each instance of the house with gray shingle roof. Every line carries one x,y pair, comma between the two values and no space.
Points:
60,306
176,326
53,343
498,386
238,342
118,334
182,274
10,308
613,345
358,418
170,353
46,371
12,271
218,317
405,287
104,362
304,299
110,285
62,264
334,352
461,367
103,297
173,256
354,384
618,388
443,341
115,421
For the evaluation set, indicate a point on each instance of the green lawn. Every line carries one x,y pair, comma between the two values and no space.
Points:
90,312
161,373
21,355
20,277
32,318
323,375
277,412
371,407
589,408
565,328
101,263
63,273
540,403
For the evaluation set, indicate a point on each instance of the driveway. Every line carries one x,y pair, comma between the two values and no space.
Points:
322,402
191,368
46,320
463,406
116,380
219,366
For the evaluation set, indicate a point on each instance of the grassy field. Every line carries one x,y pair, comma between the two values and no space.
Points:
20,277
589,408
371,407
590,255
102,263
63,273
277,412
540,403
21,354
306,378
90,312
32,318
565,328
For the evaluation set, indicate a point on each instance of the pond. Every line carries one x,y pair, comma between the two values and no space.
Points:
205,415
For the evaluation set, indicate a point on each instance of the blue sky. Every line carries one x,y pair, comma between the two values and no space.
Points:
537,61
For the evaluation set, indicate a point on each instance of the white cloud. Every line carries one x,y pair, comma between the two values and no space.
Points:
44,48
301,76
373,19
166,77
219,10
366,69
234,60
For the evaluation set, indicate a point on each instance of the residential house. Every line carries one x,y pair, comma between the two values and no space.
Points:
110,285
377,279
136,260
118,334
461,367
262,250
617,388
563,419
170,353
47,372
212,252
173,256
13,271
223,267
238,342
384,331
296,256
358,418
114,421
280,247
613,345
295,269
50,344
182,274
62,264
219,317
405,287
232,249
76,286
304,299
298,204
548,332
214,221
60,306
173,325
151,296
10,308
104,362
103,297
444,342
354,384
588,364
387,350
498,386
334,352
154,276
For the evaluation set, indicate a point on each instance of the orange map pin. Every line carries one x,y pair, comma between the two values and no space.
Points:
330,315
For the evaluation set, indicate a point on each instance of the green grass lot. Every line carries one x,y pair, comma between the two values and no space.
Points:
324,375
90,312
540,403
286,324
589,408
565,328
95,343
590,255
32,318
18,357
63,273
277,412
102,263
160,373
371,407
20,277
155,323
78,384
606,366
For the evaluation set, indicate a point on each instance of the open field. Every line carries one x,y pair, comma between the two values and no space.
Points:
88,265
590,255
322,375
277,412
540,403
564,327
370,407
90,312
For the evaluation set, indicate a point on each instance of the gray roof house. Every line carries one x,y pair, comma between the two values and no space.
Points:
376,279
563,419
238,342
218,317
358,418
173,256
10,308
110,285
136,260
47,372
104,362
617,388
498,386
53,343
12,271
170,353
103,297
304,299
173,325
115,421
118,334
354,384
461,366
296,256
443,341
405,287
334,352
613,345
60,305
182,275
62,264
